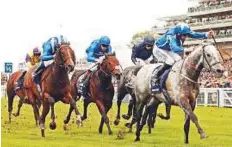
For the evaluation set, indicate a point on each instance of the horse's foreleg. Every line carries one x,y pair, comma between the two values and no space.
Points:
103,112
21,95
186,128
101,125
121,95
188,109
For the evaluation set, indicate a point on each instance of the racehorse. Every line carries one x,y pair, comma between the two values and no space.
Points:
100,89
181,84
126,86
11,93
55,86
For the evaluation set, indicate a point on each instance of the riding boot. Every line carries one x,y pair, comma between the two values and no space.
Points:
83,83
155,85
19,83
37,70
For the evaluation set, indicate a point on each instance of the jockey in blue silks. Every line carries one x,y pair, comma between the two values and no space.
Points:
49,50
95,54
168,47
142,52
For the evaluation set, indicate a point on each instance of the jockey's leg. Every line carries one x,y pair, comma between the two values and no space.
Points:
19,83
163,56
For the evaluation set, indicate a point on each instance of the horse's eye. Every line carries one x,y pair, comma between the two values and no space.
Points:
208,55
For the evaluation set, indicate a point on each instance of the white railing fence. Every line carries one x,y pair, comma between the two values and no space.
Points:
219,97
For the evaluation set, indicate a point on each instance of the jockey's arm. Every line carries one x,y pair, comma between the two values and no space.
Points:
90,56
133,55
28,64
109,49
174,46
198,35
46,56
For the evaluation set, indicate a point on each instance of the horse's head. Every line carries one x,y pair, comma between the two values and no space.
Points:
111,65
65,57
211,59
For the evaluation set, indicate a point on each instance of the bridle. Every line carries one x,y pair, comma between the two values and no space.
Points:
204,60
63,61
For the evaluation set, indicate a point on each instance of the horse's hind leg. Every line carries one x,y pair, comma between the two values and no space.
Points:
10,95
145,116
21,95
45,111
168,109
101,125
66,121
86,103
130,107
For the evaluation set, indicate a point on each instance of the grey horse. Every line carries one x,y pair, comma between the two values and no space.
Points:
181,84
126,86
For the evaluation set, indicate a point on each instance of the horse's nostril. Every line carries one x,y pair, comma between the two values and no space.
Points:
219,71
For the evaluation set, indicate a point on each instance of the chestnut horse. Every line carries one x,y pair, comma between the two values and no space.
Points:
55,86
11,93
101,90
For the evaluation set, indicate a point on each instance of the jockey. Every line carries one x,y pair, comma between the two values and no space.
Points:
142,52
95,54
31,59
168,47
47,58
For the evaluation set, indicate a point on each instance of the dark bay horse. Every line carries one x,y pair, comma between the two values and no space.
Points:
12,92
126,86
181,84
55,86
101,90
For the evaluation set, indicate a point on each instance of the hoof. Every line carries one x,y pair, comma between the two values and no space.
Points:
83,118
52,125
65,127
110,133
125,116
42,133
100,131
15,114
65,121
203,136
79,123
137,139
116,122
128,125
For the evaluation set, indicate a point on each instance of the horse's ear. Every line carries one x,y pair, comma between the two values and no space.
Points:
114,54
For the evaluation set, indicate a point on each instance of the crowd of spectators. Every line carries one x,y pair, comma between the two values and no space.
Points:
210,5
208,80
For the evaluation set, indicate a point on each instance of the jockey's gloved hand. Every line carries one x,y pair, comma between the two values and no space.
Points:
152,61
211,33
99,61
137,63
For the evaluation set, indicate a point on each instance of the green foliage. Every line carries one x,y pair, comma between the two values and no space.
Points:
137,37
22,132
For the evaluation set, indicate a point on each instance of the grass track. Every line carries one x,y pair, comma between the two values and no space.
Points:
217,123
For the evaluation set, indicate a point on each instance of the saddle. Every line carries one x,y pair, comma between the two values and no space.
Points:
161,82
